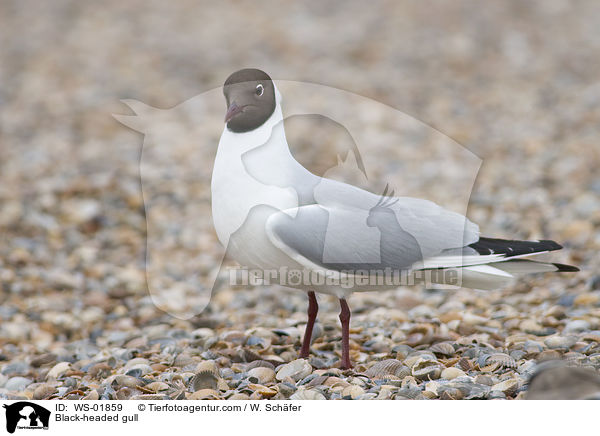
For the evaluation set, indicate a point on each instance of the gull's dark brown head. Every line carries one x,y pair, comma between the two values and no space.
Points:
250,97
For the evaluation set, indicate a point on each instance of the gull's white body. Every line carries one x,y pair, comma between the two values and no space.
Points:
251,216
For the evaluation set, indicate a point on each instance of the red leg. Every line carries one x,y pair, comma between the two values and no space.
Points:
345,319
313,308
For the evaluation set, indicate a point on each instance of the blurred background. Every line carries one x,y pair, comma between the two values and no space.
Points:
514,82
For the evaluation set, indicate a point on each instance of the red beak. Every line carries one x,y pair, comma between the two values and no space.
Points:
233,110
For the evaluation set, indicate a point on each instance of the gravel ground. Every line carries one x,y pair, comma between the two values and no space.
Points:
515,83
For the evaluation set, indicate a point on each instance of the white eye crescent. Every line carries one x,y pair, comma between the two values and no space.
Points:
260,89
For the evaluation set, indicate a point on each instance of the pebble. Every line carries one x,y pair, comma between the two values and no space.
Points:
17,384
578,325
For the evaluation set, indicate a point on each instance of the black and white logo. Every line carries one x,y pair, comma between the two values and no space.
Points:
26,415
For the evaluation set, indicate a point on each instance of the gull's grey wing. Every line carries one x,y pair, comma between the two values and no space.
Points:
345,229
336,239
434,228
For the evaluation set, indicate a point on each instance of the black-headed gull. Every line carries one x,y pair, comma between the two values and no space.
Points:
273,215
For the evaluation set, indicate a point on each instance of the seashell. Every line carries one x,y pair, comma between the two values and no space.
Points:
408,393
100,371
485,364
419,335
451,394
288,355
387,367
469,389
491,367
235,336
293,332
426,370
318,363
208,366
136,361
496,395
409,382
484,379
465,364
139,370
43,391
182,360
58,370
418,356
377,345
558,312
263,390
204,394
43,359
263,343
384,394
177,394
504,359
307,394
126,381
429,395
248,355
330,372
126,393
335,382
158,367
352,392
508,387
296,370
591,337
92,395
157,386
452,373
443,348
318,380
518,354
203,380
472,319
560,342
239,396
548,355
402,351
261,374
108,393
433,386
587,299
307,379
148,397
286,389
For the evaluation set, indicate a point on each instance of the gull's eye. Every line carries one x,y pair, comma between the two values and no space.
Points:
259,90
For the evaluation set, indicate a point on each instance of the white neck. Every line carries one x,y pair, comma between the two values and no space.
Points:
252,168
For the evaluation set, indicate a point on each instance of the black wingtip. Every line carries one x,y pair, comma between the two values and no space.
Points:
561,267
510,247
552,245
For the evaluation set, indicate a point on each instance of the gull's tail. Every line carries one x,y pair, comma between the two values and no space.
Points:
493,263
